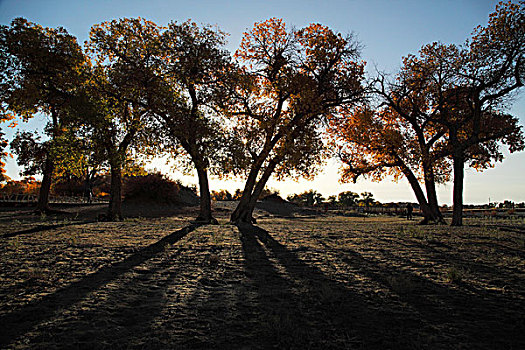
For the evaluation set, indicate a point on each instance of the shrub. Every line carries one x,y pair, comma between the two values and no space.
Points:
222,195
26,186
151,188
69,187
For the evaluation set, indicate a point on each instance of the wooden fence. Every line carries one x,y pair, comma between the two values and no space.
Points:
27,199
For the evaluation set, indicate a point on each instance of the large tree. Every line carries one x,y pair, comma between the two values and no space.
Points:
443,110
491,70
194,67
380,142
292,81
115,98
172,74
41,68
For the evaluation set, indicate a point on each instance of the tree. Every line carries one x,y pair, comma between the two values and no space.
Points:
194,67
173,73
117,94
40,71
291,82
442,111
368,199
382,142
468,87
348,198
308,198
492,67
31,152
222,195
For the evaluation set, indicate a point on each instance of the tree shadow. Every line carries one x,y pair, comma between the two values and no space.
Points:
301,307
459,314
120,315
418,313
20,321
43,228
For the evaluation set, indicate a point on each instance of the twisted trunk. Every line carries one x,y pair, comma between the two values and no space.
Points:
244,211
430,187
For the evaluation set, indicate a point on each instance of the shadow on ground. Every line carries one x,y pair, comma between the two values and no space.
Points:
23,320
242,288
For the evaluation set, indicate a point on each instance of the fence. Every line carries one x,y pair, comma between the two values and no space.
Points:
22,198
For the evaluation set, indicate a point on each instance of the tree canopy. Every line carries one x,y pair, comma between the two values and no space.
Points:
290,82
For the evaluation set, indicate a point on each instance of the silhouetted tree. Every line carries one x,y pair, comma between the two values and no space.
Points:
40,71
290,82
117,96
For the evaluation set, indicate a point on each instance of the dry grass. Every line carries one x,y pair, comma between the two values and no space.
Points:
303,282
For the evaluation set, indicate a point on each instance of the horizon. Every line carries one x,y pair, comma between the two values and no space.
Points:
403,28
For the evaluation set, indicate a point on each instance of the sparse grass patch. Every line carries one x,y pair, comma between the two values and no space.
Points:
512,261
415,232
454,275
285,330
14,243
401,284
328,296
37,275
521,242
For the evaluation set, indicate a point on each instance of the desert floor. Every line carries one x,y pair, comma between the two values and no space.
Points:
322,281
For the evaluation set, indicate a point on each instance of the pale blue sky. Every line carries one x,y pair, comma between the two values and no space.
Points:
387,29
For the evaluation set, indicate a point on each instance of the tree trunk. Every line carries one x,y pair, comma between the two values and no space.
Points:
430,187
457,208
115,196
244,211
428,215
205,215
45,187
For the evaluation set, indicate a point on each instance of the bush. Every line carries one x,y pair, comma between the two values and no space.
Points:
222,195
26,186
69,187
151,188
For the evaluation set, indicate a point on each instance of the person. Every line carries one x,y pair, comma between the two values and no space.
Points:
88,192
410,209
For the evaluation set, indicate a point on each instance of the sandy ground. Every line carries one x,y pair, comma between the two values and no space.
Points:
154,281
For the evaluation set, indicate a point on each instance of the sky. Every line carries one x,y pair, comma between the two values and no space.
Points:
386,29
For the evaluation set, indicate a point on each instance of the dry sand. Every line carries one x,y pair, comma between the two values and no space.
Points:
153,282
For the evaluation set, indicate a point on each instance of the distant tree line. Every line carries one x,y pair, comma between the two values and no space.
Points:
279,106
347,199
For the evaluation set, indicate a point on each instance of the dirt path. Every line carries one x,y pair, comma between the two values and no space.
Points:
327,282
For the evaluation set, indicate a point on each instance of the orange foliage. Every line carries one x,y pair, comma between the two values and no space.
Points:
26,186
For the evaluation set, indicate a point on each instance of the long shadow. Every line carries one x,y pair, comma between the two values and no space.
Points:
119,316
313,310
480,319
438,316
42,228
21,320
277,308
